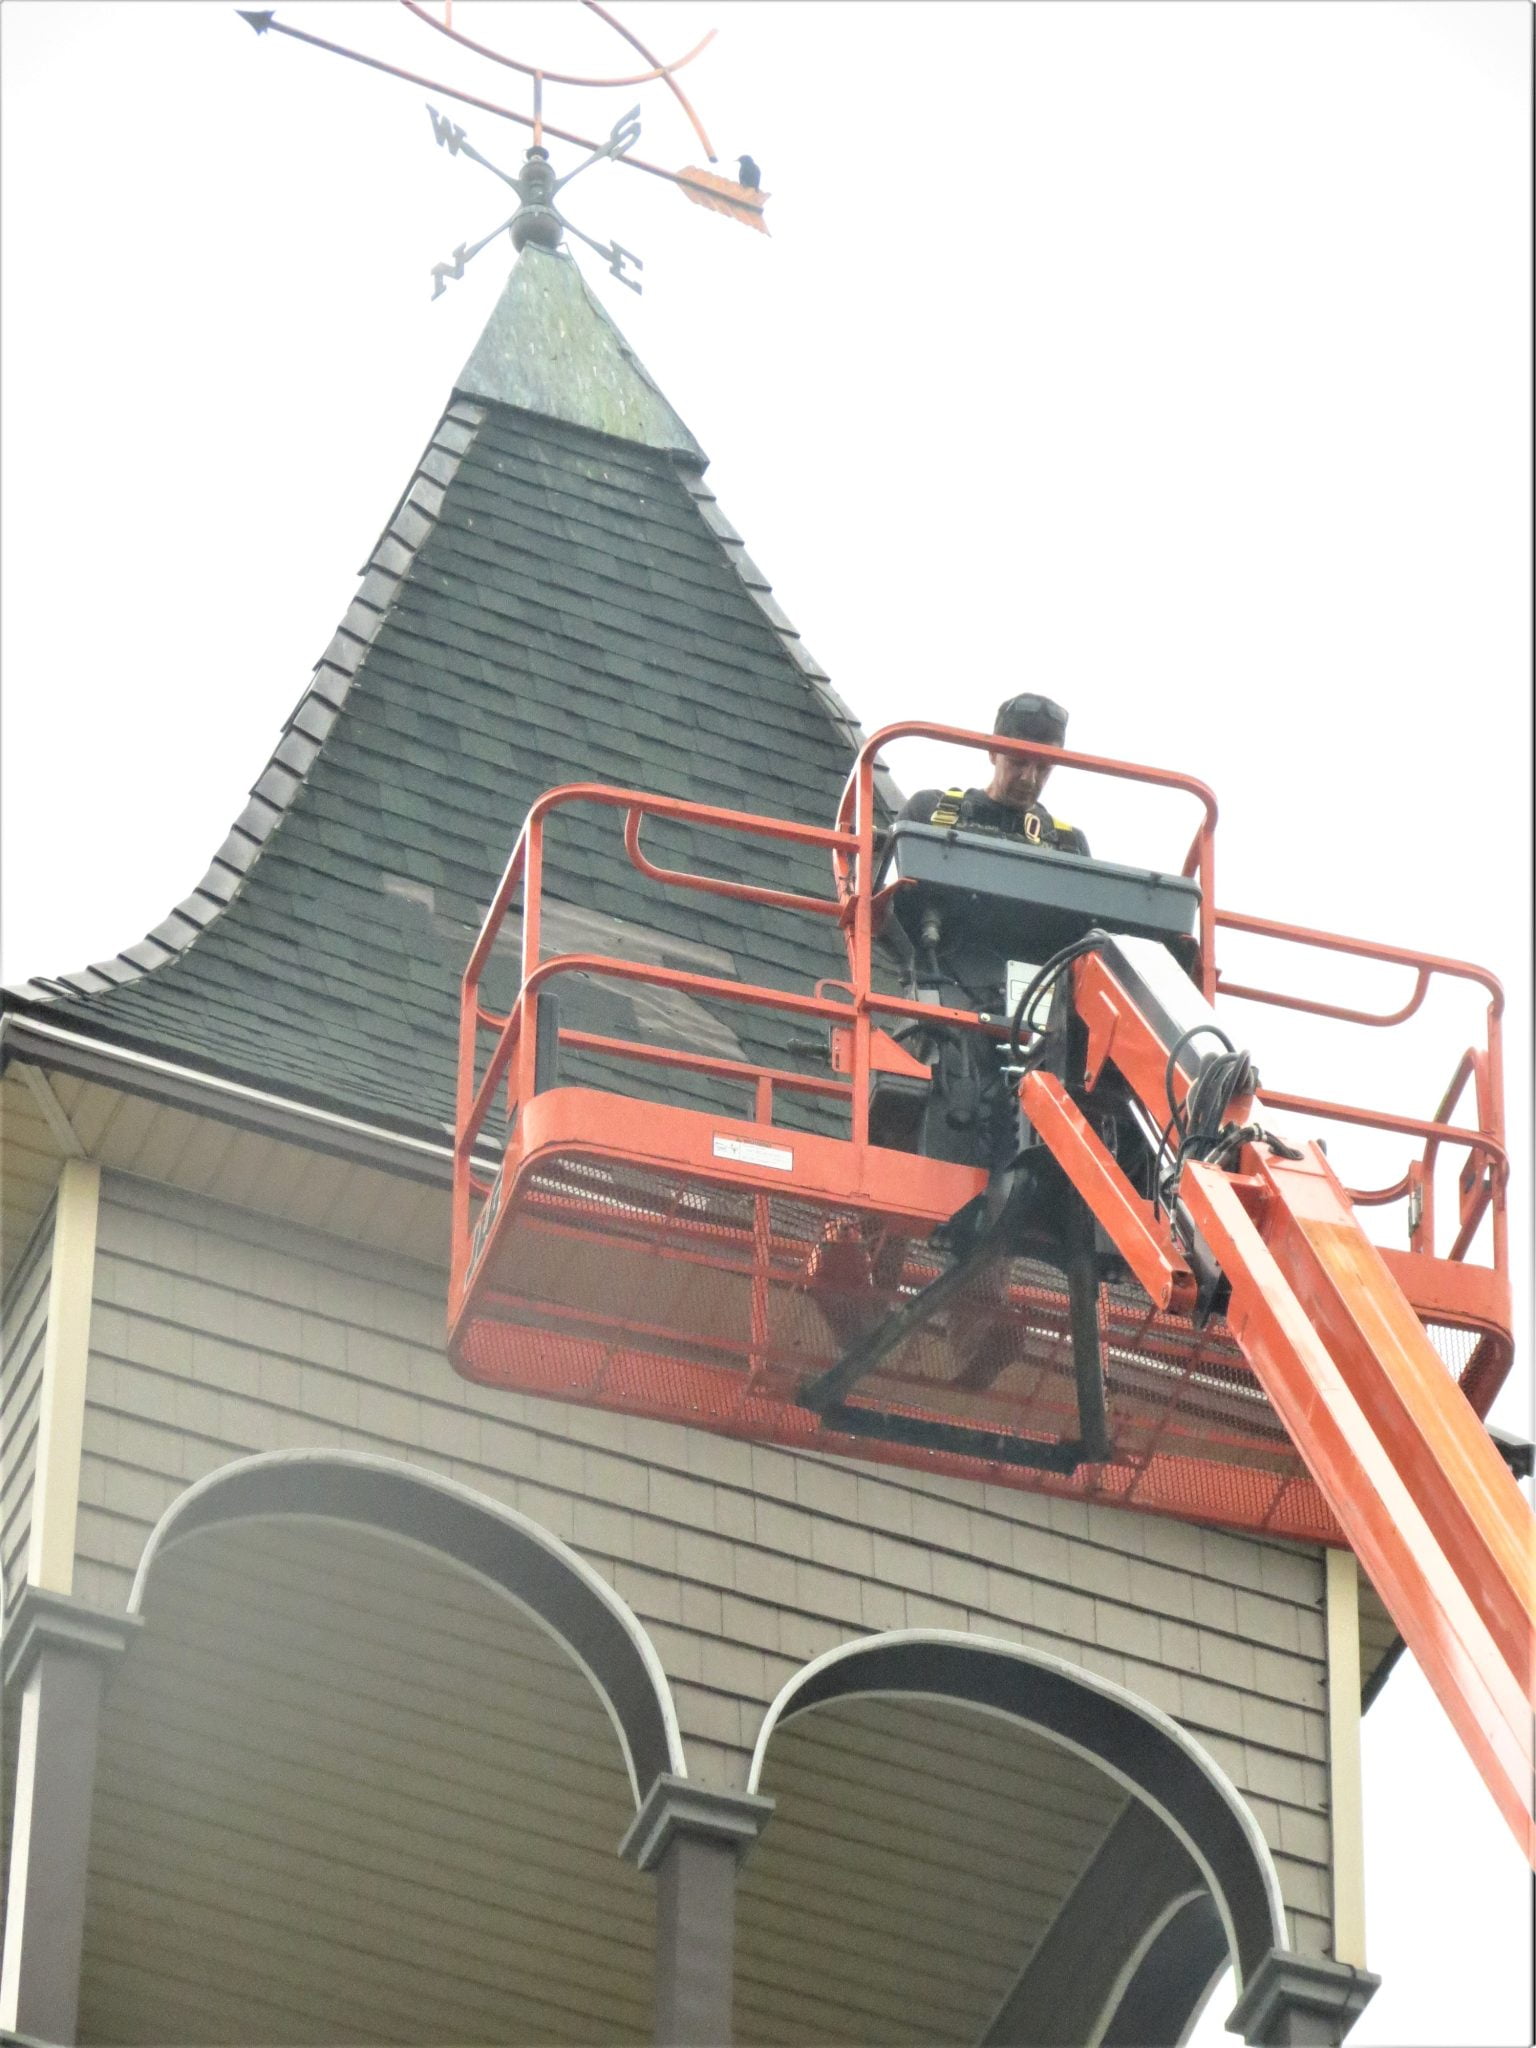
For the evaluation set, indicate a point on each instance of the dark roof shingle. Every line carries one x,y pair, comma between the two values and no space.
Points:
549,604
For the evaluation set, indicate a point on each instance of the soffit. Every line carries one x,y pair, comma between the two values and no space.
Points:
31,1155
208,1156
347,1793
917,1854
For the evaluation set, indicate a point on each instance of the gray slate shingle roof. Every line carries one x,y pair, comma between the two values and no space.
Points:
556,599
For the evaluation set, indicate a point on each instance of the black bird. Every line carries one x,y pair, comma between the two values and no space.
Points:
751,176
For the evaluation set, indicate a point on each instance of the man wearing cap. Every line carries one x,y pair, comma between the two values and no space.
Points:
1010,803
970,1114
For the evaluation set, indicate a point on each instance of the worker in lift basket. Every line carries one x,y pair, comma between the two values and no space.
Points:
1010,803
969,1116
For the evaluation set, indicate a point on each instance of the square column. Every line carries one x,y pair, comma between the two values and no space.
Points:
56,1657
694,1839
1296,2001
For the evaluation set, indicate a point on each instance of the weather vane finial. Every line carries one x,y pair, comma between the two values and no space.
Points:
537,219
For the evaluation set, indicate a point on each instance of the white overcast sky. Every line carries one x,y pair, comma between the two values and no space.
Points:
1170,358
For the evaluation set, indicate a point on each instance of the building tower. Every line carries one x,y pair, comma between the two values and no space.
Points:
349,1700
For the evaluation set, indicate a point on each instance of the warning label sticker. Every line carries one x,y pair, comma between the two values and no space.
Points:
779,1157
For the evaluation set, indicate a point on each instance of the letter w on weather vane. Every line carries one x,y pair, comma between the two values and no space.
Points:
537,219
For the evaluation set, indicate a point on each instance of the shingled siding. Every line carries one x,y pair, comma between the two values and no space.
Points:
216,1332
22,1330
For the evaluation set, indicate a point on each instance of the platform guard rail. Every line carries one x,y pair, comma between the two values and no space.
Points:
507,1076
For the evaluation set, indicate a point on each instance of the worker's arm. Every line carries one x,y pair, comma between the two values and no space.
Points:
920,808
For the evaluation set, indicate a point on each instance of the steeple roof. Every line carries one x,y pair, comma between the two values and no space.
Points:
557,599
550,348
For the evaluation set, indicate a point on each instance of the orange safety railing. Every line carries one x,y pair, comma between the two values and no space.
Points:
508,1070
1485,1180
510,1065
856,811
853,854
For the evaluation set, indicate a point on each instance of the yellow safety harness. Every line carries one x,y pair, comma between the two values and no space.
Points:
946,812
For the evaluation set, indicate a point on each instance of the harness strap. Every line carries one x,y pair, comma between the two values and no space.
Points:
1038,828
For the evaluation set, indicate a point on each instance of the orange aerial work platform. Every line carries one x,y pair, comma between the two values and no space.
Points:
1132,1288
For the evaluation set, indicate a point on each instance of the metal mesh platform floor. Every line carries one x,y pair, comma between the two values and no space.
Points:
665,1294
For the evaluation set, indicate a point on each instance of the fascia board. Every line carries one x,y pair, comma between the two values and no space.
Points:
36,1042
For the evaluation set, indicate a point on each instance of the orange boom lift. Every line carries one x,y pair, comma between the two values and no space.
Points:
1147,1295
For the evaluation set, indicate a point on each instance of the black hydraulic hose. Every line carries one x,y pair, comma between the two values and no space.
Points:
1090,942
1178,1046
1178,1119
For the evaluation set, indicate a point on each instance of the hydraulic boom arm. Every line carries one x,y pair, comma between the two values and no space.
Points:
1413,1478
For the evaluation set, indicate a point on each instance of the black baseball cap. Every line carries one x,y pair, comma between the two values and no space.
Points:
1031,718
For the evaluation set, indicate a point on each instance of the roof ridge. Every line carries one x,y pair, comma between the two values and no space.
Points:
303,732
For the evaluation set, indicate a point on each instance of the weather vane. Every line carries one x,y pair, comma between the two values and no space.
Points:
537,219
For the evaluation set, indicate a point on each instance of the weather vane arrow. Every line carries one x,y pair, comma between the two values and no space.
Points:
538,220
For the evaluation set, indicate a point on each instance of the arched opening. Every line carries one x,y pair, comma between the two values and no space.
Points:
364,1774
992,1829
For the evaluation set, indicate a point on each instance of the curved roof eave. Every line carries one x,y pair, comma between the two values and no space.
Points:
303,734
616,397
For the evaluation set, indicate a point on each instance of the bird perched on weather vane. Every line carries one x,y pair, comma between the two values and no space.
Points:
537,219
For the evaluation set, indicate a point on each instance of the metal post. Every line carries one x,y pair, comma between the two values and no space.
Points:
863,945
1207,911
1495,1123
464,1139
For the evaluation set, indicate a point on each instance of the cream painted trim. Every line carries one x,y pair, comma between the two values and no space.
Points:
1344,1795
51,1110
61,1397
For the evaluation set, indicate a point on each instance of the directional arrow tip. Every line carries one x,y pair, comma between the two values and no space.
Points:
260,21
